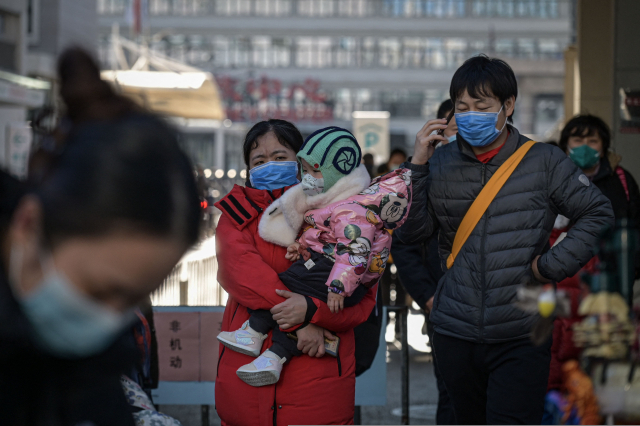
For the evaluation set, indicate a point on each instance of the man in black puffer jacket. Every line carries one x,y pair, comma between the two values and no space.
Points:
492,371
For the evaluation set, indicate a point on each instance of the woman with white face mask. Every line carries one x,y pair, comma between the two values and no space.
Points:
110,209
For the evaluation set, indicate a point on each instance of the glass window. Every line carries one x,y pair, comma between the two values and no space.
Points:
505,47
412,55
526,48
550,48
389,49
434,54
233,7
345,52
316,7
272,7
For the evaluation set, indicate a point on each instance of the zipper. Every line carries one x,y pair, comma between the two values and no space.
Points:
220,359
482,267
339,363
275,406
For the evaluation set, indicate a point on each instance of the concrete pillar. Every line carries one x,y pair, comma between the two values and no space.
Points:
595,25
571,83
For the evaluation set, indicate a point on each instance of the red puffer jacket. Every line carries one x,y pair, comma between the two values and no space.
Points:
310,390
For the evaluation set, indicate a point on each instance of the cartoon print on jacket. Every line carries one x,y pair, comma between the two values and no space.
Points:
379,261
358,249
393,208
373,189
310,220
347,226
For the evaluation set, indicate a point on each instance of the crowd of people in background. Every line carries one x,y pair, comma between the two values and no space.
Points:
111,204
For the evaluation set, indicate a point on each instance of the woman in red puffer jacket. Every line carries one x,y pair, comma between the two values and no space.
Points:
313,389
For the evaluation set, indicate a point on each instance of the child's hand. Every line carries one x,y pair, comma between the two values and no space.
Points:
335,302
304,253
292,252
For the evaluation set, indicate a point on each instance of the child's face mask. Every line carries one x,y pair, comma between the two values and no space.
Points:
312,186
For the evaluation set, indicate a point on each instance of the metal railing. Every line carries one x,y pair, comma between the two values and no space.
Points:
530,9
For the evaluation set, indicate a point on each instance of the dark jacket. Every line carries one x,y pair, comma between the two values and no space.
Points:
624,206
41,390
474,299
419,268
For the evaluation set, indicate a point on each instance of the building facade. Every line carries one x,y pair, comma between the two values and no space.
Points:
317,61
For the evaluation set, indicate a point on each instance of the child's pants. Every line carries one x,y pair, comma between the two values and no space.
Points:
310,282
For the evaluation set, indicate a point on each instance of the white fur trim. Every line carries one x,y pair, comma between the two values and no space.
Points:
561,222
283,219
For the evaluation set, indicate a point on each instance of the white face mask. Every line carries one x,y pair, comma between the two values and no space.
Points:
66,322
312,186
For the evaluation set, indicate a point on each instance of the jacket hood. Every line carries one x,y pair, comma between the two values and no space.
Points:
283,219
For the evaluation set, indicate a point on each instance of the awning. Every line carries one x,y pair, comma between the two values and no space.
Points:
175,94
24,91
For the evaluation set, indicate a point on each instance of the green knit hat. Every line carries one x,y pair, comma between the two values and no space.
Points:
332,150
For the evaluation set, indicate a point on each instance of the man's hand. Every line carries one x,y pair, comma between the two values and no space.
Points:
291,312
536,273
429,305
426,140
335,302
311,340
292,252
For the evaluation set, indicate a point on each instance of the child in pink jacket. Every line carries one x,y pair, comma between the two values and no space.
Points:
338,220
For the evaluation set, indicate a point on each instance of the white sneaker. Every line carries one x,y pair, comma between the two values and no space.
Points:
264,370
245,340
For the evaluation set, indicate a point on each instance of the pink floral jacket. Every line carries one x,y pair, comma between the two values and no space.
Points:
348,223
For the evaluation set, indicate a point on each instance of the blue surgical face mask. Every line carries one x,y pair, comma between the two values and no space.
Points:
479,128
452,138
66,323
274,175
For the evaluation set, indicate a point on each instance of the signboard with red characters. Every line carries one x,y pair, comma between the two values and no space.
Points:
263,98
187,345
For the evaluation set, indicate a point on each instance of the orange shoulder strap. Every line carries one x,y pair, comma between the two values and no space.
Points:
484,199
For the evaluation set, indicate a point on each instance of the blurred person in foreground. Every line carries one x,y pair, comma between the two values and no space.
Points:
492,371
586,139
110,209
420,270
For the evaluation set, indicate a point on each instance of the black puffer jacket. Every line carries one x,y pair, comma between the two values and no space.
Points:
474,299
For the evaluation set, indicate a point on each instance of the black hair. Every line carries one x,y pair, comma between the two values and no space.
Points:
445,108
397,151
585,125
482,76
286,133
115,167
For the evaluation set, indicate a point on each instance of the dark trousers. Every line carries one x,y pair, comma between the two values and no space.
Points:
308,280
445,414
494,383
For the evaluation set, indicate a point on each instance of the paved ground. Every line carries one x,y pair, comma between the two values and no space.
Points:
422,388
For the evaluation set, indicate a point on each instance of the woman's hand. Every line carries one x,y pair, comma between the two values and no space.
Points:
311,340
426,140
291,312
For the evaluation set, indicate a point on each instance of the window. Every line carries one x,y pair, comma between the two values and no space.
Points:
272,7
316,7
389,56
233,7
